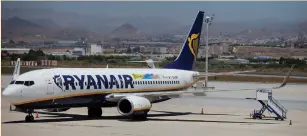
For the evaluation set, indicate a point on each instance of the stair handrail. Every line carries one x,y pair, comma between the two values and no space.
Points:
278,105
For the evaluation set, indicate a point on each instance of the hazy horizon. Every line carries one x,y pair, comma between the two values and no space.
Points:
177,11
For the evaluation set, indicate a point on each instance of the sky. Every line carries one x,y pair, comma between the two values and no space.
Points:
225,11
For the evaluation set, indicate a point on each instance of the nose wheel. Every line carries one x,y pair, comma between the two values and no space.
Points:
29,118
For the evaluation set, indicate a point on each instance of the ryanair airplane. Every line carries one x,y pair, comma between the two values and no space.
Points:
131,90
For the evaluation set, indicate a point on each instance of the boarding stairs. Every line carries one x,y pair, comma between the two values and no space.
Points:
264,96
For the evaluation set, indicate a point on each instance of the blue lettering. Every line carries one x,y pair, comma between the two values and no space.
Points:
80,81
128,81
103,80
121,81
69,80
113,82
91,82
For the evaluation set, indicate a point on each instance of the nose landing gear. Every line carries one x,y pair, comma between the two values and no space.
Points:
29,117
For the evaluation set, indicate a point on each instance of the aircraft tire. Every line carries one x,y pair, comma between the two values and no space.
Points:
94,112
29,118
140,117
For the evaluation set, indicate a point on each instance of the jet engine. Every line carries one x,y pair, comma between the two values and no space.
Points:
56,109
133,105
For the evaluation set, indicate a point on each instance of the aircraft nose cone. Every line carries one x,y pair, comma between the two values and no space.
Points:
9,91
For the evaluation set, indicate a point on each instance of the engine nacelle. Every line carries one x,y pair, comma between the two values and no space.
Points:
56,109
133,105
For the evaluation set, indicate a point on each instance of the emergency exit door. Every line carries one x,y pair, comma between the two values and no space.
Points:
50,89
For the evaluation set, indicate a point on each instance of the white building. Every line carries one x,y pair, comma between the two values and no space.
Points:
16,50
161,50
95,49
78,51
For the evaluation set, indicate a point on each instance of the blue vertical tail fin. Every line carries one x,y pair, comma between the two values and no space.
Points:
188,54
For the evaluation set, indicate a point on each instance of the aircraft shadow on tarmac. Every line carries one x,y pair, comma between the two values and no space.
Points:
65,117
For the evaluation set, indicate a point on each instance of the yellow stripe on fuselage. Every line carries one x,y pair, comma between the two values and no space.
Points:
104,92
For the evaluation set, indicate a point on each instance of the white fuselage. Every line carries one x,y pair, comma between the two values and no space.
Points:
57,83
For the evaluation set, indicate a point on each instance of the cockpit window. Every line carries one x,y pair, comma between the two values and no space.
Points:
19,82
29,83
26,83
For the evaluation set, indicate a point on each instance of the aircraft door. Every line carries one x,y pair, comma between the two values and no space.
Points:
50,89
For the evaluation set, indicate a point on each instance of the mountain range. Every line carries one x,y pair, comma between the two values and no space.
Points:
70,25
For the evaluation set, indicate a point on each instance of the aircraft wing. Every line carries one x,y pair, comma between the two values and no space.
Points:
16,69
171,94
175,94
142,61
150,62
283,84
222,73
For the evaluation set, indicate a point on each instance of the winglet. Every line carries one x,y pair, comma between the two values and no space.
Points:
285,81
16,69
150,63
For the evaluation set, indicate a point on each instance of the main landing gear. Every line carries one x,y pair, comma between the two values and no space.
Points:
94,112
140,117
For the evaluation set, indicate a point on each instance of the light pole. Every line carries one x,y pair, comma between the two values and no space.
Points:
208,21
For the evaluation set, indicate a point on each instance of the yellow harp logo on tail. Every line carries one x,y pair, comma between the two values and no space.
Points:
193,44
